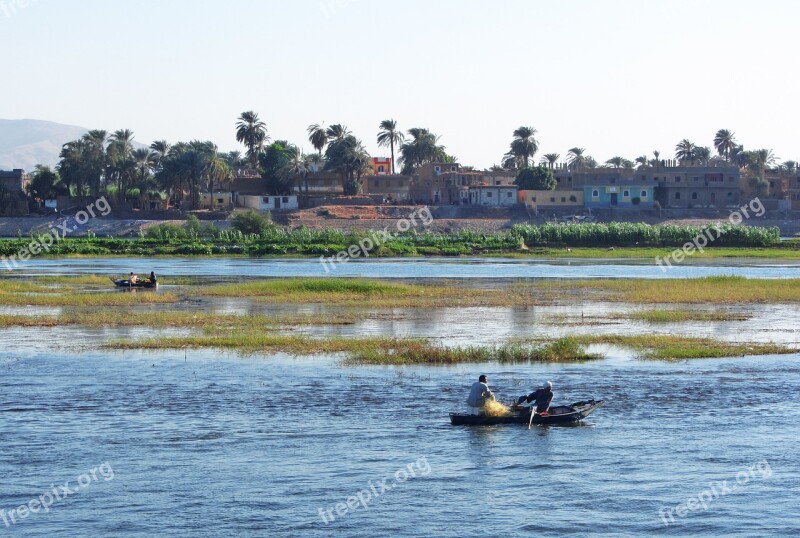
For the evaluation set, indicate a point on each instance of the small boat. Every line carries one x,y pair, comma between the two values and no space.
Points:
140,284
560,414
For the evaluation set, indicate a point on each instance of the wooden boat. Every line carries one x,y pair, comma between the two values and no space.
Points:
560,414
140,284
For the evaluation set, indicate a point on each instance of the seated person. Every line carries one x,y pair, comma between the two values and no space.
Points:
479,394
541,398
133,279
153,277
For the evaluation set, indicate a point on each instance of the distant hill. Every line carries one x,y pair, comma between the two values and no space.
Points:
26,143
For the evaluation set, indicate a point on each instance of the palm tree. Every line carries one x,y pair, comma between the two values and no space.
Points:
789,167
616,162
550,159
576,157
765,157
423,147
390,136
318,136
350,159
252,132
703,154
657,155
523,147
686,151
298,165
642,161
161,149
338,132
724,143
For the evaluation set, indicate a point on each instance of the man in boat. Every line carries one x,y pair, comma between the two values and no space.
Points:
541,398
133,279
153,280
479,394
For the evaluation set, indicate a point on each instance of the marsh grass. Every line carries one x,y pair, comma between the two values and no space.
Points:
682,315
374,293
82,299
176,319
706,290
669,347
387,351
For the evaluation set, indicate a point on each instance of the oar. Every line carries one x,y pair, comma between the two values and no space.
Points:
531,420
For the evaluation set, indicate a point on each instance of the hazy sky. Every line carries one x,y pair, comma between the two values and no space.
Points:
619,77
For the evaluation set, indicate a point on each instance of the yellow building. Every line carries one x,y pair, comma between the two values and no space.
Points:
551,199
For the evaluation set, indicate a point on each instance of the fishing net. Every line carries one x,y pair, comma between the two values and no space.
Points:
494,408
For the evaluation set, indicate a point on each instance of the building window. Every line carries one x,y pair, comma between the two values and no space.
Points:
677,179
694,196
452,168
644,178
613,180
285,199
376,183
730,195
497,182
644,194
677,196
595,194
266,199
626,194
488,194
697,178
509,194
563,199
388,182
534,198
437,169
381,169
552,199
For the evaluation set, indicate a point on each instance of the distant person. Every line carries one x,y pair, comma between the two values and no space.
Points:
133,279
541,398
153,278
479,394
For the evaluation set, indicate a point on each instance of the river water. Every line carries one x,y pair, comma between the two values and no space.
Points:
207,443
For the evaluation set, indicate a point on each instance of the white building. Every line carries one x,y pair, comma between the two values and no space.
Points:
493,195
267,203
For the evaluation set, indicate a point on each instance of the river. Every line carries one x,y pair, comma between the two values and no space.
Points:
207,443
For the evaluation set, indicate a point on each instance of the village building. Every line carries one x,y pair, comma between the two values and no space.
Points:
493,195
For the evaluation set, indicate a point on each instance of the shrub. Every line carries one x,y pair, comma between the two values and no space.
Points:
252,222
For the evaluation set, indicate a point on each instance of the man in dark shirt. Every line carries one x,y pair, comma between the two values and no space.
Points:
541,397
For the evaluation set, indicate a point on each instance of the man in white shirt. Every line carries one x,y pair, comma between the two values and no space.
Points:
478,395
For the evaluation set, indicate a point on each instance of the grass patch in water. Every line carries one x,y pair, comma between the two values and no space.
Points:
706,290
175,319
373,293
369,350
669,347
677,316
86,299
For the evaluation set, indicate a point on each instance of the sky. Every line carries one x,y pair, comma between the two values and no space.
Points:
618,77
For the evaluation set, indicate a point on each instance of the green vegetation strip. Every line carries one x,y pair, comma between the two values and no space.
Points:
669,347
707,290
677,316
371,350
374,293
206,240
